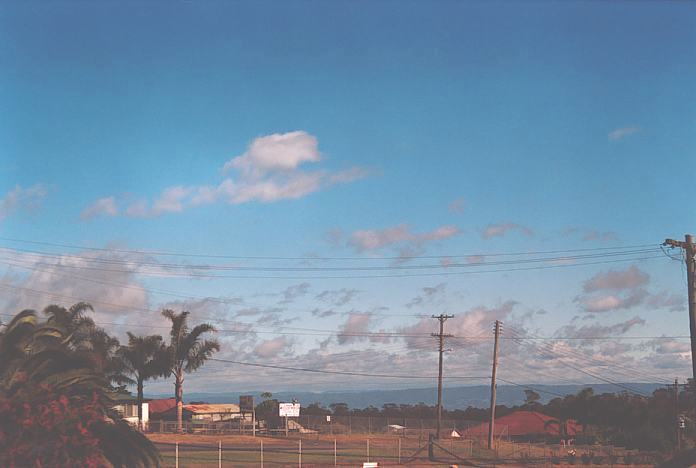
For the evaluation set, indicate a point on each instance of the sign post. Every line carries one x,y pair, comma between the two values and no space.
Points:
288,410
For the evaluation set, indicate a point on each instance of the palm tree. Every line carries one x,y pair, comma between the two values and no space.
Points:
186,353
40,368
87,339
144,358
74,320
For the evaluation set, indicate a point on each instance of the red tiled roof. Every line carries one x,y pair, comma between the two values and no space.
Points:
525,423
161,405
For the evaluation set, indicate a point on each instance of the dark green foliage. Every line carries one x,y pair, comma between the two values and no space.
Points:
315,409
56,394
339,409
267,409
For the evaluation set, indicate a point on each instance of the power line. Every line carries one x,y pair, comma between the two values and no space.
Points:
213,267
309,331
260,257
591,359
524,368
274,366
529,387
232,302
170,274
588,338
357,374
598,377
396,376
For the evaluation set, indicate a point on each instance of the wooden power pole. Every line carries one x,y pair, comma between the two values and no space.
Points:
491,422
441,348
676,411
689,257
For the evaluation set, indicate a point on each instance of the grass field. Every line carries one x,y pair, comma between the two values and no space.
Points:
201,451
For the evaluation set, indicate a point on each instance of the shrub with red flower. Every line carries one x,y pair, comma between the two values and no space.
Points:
57,431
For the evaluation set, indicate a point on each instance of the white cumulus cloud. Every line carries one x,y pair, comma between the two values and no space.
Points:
270,170
276,152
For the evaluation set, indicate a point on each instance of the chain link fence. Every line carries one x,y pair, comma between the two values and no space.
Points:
194,451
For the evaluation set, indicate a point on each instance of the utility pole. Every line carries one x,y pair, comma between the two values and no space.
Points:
441,348
676,411
689,257
491,422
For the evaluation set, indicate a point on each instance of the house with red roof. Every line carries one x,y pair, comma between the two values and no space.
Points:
161,407
524,425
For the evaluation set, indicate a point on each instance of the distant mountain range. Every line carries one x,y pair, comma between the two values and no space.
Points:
453,397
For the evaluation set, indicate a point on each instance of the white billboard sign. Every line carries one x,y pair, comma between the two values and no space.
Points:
290,410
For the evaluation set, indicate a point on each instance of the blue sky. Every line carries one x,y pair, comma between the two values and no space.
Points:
359,129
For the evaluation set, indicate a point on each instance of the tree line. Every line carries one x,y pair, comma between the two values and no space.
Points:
61,377
622,419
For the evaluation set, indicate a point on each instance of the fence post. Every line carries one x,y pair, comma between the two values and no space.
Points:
300,454
368,450
334,452
176,455
219,454
261,453
350,425
399,456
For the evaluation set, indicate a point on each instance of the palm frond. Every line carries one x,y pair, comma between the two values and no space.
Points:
179,326
199,353
124,446
79,308
25,318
